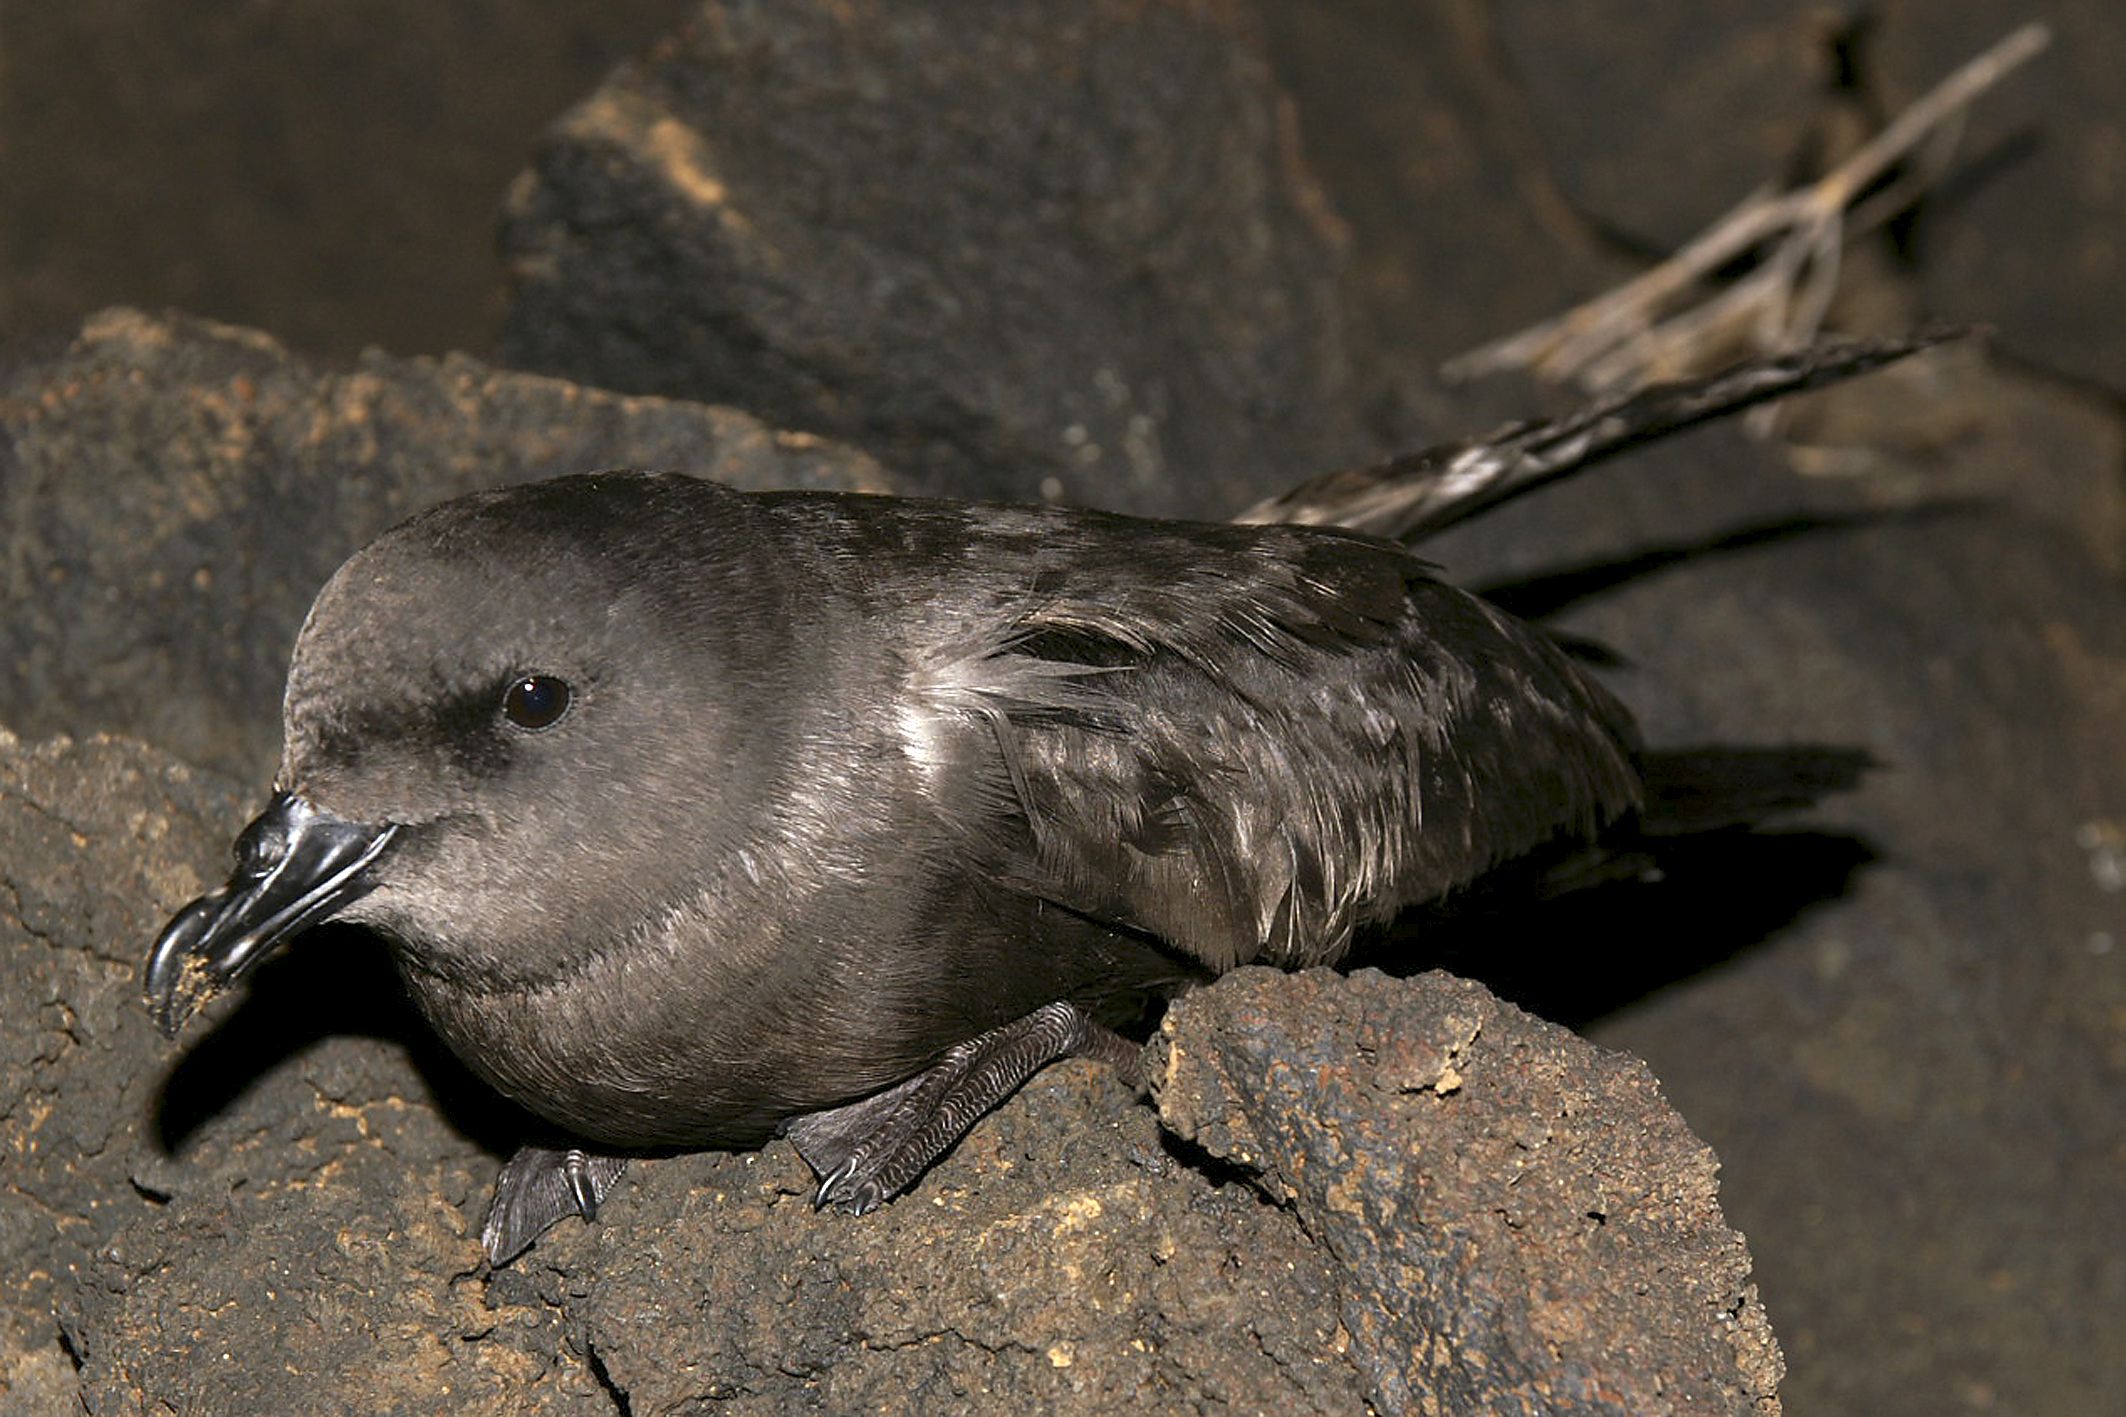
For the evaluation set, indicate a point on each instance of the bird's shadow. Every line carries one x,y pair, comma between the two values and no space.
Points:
1577,957
338,980
1545,593
1710,895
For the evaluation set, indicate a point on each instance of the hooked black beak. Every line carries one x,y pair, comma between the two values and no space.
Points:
295,866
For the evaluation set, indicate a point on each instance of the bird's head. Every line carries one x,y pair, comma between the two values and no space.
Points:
554,691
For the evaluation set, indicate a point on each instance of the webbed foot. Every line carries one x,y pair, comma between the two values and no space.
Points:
869,1151
540,1186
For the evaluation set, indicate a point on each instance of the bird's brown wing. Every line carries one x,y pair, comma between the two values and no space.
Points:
1291,734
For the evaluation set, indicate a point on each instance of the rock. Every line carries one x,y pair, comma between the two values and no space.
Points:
323,1262
314,1206
1963,428
176,491
315,1203
1059,1259
1068,1256
1656,121
93,837
2028,231
1519,1222
305,1182
1458,230
1013,249
1885,1019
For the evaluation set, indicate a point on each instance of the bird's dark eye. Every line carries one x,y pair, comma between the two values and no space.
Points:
535,701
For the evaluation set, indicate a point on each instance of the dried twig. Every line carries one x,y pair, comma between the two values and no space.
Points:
1621,339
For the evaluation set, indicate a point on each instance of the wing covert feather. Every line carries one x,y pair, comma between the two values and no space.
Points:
1254,750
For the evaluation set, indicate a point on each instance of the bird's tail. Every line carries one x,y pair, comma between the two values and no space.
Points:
1693,796
1691,791
1424,492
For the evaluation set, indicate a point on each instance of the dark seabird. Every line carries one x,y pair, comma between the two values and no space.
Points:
696,816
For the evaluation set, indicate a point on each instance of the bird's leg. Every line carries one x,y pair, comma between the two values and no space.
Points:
539,1186
868,1151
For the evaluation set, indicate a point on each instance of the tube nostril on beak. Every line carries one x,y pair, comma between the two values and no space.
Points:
265,843
255,855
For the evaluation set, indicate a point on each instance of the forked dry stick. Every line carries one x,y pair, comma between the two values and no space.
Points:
1622,339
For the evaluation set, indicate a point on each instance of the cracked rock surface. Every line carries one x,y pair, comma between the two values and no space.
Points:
1899,1022
319,1215
1499,1199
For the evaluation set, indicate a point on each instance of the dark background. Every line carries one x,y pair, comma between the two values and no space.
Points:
330,173
1921,1126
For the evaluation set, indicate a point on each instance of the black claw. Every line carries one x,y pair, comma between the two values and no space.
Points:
830,1186
576,1167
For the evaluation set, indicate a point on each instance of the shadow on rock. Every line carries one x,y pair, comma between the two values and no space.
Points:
338,981
1578,958
1532,597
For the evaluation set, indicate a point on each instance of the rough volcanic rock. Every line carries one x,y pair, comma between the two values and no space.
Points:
1014,248
94,837
175,492
1520,1222
316,1217
1060,1259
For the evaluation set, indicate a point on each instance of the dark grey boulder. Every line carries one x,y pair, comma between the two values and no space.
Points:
1014,249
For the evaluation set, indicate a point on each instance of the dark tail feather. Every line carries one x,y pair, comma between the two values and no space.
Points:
1691,791
1692,795
1425,492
